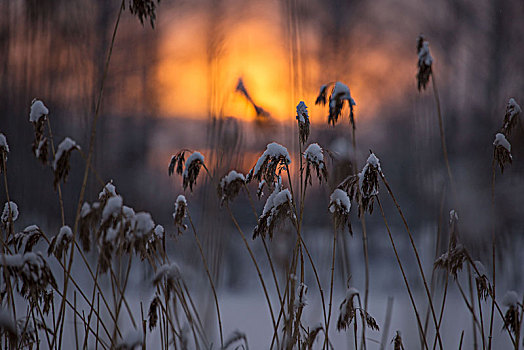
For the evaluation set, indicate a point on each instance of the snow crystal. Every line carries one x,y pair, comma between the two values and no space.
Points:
112,207
232,176
500,140
14,211
192,158
302,114
144,223
424,55
275,199
511,298
38,110
65,232
314,154
274,151
3,143
109,190
339,198
65,146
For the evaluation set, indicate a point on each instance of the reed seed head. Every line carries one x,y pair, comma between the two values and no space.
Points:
278,207
502,151
275,158
511,118
303,122
60,242
314,157
26,240
180,213
61,164
339,206
229,186
347,309
425,62
4,150
144,10
193,164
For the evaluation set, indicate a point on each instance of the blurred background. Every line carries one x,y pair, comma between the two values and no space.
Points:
175,86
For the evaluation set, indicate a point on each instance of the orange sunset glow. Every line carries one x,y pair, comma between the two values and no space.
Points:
255,49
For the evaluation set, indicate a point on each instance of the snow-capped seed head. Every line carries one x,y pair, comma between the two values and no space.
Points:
60,242
108,191
112,209
368,183
511,117
278,206
61,164
230,185
159,231
452,260
315,158
274,156
152,314
177,161
347,309
180,213
303,122
339,94
38,111
339,206
4,147
397,342
10,212
193,164
483,286
27,239
425,62
502,152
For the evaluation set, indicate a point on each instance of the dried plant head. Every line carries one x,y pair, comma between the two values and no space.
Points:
511,118
303,122
397,342
278,207
347,309
261,114
180,213
484,288
512,318
363,187
4,150
311,336
424,64
268,164
453,260
177,161
339,95
25,241
193,164
322,95
370,321
89,221
144,10
154,243
152,314
60,242
229,186
9,215
38,117
61,164
339,206
314,157
235,337
502,151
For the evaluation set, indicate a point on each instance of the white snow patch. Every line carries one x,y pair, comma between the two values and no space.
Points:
276,199
511,298
14,211
424,55
341,92
66,145
159,231
500,140
86,209
144,224
232,176
339,198
273,151
112,208
192,158
302,114
65,232
109,190
3,143
38,110
313,154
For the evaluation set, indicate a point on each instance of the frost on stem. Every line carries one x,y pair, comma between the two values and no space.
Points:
278,206
274,156
60,242
38,117
193,164
339,206
502,152
180,213
424,63
61,164
144,10
4,149
511,118
229,186
303,122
